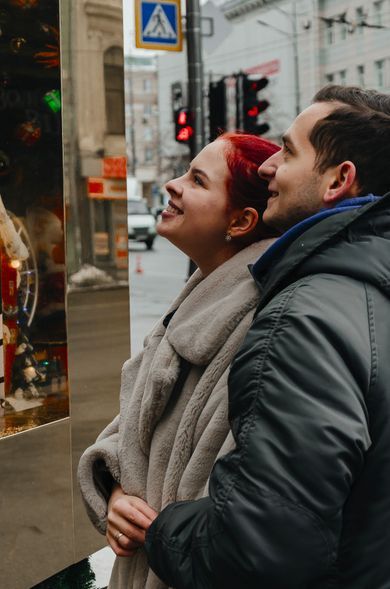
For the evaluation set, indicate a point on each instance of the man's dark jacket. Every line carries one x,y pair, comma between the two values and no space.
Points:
304,500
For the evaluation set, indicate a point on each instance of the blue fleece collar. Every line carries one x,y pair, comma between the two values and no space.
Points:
280,245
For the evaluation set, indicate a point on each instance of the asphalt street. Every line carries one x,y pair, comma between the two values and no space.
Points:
161,275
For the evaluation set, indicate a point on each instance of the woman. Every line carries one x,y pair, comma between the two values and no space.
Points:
173,420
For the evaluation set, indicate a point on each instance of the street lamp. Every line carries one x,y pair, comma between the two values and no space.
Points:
293,36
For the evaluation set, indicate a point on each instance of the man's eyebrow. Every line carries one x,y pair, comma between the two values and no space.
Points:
199,171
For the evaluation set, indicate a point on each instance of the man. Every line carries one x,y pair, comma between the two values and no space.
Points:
304,499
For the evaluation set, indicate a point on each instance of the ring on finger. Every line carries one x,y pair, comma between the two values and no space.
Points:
118,535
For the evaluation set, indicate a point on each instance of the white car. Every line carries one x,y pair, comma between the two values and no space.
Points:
141,223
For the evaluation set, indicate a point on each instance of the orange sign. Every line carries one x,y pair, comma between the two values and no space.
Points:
114,167
106,189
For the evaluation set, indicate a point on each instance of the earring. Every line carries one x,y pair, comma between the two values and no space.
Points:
228,237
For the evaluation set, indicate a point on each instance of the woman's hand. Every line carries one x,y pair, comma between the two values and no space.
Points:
128,519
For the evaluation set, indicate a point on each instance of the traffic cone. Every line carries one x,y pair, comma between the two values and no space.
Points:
138,266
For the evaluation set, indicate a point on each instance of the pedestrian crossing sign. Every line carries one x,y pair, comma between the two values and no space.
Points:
158,25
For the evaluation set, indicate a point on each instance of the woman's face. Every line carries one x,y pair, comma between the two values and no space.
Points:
197,218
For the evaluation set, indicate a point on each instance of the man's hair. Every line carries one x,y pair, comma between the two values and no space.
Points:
358,130
354,96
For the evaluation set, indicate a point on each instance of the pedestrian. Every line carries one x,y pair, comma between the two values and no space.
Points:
303,501
173,420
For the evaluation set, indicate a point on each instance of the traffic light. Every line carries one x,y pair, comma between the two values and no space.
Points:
184,128
217,108
252,106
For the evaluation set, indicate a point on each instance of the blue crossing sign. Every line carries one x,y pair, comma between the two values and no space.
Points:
158,25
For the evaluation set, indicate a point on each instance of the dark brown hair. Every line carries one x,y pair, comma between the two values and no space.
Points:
358,130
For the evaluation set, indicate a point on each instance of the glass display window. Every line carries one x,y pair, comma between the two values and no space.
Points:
34,387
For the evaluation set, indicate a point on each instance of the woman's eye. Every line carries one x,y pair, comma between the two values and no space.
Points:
198,180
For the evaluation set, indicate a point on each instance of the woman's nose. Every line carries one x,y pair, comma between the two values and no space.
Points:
173,186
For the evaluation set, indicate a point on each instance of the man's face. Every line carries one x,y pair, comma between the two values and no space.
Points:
296,188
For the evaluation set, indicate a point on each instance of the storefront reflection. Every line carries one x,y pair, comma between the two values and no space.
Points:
34,390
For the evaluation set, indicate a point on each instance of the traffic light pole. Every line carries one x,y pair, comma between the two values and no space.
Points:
195,82
195,74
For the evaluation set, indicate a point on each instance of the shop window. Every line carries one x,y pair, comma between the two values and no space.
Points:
33,385
114,91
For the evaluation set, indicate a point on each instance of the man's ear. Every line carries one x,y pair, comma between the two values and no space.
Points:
342,183
243,222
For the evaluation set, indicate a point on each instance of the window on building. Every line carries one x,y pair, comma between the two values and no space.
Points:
148,134
147,109
360,18
379,67
148,154
378,13
343,31
147,85
114,90
342,77
360,75
329,78
329,33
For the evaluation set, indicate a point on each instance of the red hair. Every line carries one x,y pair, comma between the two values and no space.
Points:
244,154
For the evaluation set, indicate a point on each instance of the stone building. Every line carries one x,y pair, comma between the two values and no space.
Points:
142,123
94,132
300,45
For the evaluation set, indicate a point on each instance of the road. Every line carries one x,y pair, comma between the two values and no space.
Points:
161,276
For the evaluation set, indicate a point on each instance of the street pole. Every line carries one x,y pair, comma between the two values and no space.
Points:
195,82
296,61
195,74
293,36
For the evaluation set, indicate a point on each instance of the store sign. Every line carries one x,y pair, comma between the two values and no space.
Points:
114,167
106,188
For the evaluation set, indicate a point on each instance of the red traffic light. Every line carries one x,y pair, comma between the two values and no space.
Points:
184,129
184,134
182,118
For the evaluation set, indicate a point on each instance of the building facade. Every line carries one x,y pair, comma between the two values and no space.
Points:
94,133
300,45
142,123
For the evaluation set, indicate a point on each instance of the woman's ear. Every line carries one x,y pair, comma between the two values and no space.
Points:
243,222
342,183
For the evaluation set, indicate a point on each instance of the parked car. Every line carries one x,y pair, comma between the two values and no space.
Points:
141,223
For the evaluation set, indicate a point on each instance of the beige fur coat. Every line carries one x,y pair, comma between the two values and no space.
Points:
160,448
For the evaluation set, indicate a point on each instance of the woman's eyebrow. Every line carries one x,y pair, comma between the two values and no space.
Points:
286,139
201,172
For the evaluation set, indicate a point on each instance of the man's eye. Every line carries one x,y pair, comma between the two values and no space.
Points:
286,149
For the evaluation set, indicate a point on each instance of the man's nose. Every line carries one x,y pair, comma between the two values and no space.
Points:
268,168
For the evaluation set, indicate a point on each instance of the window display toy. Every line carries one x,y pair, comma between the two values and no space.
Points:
50,56
19,296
